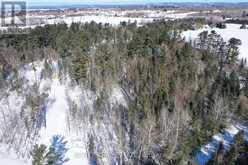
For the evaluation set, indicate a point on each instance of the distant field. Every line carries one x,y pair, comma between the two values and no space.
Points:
232,30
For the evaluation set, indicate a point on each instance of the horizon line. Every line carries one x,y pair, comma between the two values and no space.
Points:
124,3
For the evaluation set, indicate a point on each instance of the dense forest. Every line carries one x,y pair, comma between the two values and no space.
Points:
179,94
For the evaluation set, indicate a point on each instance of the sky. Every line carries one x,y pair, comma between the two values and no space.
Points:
92,2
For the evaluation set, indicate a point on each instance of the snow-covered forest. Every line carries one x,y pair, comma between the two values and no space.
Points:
97,94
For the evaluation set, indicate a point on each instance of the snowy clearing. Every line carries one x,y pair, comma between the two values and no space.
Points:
57,107
232,30
110,17
115,18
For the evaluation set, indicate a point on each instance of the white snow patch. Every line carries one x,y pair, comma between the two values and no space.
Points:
32,72
8,157
56,113
117,97
207,152
11,161
98,19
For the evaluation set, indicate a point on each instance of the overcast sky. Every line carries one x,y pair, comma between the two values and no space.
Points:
61,2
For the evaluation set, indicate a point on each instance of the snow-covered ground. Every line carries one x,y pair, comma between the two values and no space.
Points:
112,17
145,13
8,157
115,20
208,151
232,30
98,19
57,106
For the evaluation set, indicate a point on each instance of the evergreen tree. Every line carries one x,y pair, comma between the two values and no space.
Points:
221,25
203,36
80,63
234,84
245,88
239,151
243,26
57,151
233,50
39,155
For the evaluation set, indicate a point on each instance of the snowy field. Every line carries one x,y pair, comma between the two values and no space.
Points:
109,17
114,20
232,30
98,19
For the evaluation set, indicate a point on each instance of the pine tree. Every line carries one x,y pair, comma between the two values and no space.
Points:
39,155
203,36
245,87
243,26
238,153
57,151
79,65
234,84
233,50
